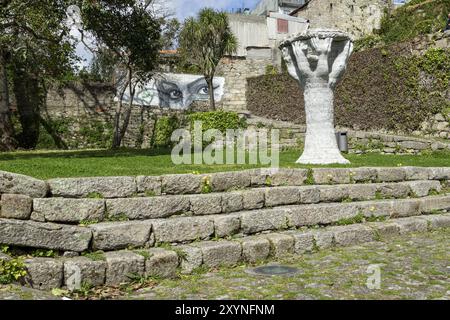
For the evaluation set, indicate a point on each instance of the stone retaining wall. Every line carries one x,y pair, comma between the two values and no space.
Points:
293,136
114,268
87,221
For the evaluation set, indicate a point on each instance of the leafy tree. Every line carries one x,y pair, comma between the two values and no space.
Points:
204,41
35,47
130,31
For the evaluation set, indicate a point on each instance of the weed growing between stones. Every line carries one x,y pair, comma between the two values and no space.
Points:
12,270
94,195
87,222
95,256
206,184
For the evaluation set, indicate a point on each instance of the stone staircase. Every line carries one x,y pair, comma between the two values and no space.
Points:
108,230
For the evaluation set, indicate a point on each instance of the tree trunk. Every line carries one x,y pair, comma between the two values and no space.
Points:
320,141
27,93
212,102
127,116
7,141
116,136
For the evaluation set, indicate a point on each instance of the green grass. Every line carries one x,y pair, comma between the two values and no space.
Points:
63,164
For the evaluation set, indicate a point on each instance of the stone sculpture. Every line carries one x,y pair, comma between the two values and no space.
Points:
318,59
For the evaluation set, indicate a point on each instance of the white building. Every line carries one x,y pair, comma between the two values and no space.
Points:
264,7
263,32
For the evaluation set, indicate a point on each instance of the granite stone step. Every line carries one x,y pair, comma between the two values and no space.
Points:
179,184
66,210
118,267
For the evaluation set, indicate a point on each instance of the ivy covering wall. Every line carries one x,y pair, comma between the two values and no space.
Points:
384,88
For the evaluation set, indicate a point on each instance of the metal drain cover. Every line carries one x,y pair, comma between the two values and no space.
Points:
274,270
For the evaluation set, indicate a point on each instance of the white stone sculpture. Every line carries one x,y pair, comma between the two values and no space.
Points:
318,59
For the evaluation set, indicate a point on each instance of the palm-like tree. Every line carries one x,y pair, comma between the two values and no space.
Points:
204,41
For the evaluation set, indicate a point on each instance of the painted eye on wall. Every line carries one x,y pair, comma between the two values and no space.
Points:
203,90
175,94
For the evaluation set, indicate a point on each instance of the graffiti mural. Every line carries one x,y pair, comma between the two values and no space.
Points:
176,91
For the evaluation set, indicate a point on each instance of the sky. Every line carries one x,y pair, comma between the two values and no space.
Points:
181,10
186,8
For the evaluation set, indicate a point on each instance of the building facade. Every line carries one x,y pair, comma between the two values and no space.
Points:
264,7
357,17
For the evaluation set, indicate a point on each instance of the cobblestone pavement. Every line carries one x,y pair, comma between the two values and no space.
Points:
14,292
416,266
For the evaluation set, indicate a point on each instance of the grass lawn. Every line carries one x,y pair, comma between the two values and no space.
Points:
53,164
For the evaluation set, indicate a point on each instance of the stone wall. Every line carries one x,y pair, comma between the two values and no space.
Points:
358,17
236,72
105,228
293,135
87,113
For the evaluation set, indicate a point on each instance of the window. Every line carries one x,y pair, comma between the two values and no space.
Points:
283,26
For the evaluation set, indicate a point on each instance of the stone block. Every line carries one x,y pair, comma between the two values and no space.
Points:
191,258
255,249
253,199
333,193
120,235
360,175
322,213
19,184
161,263
391,174
44,273
263,220
147,208
122,266
409,225
107,187
437,221
416,173
439,173
16,206
69,210
394,190
182,183
405,208
232,201
220,253
352,234
384,229
288,177
224,181
331,175
430,204
423,188
303,241
362,192
82,270
280,244
227,225
149,185
183,229
44,235
309,195
206,204
282,196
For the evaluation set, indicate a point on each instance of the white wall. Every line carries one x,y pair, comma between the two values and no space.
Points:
251,31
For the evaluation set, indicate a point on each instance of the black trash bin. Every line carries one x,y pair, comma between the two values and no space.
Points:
342,141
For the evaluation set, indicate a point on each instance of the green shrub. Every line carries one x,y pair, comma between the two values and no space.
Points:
11,270
163,130
415,18
96,133
220,120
